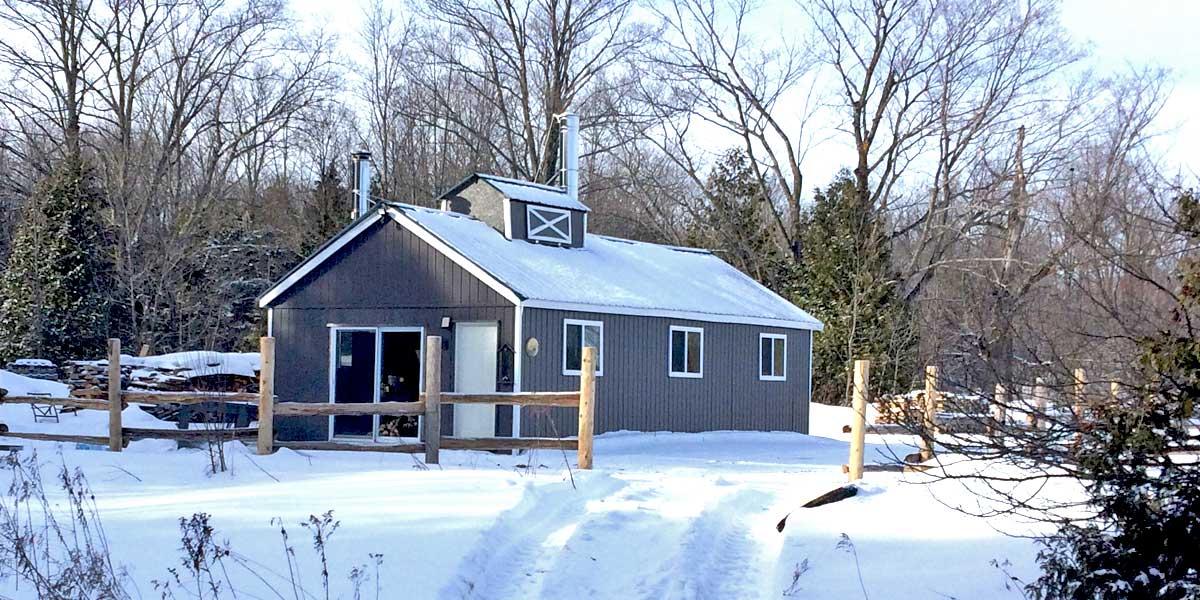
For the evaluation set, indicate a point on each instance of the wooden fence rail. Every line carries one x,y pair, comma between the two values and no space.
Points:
428,406
923,420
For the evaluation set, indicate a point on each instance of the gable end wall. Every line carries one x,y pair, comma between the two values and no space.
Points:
387,277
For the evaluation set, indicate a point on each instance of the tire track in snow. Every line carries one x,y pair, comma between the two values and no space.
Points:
718,558
620,549
653,541
512,556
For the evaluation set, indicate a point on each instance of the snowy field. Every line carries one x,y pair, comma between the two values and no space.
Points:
661,516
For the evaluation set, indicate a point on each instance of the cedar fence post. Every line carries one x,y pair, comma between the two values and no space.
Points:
858,421
587,406
1079,400
1039,402
433,398
114,395
266,395
998,400
929,424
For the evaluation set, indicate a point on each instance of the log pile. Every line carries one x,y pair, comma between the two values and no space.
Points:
908,408
37,368
89,379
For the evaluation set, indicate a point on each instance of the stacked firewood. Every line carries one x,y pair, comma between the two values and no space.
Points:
89,379
37,368
900,408
394,426
909,408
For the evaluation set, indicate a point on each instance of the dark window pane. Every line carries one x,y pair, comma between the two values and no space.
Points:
693,352
678,350
591,338
345,355
574,352
765,357
779,361
355,379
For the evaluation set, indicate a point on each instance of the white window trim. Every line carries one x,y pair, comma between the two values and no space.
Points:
772,336
671,348
551,224
599,351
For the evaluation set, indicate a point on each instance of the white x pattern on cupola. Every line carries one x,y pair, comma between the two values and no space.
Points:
546,224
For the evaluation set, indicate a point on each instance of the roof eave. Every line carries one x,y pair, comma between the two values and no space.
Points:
320,255
461,185
807,325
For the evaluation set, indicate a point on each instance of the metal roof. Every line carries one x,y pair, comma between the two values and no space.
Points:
523,191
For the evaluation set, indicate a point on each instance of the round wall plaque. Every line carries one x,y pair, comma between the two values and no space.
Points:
532,346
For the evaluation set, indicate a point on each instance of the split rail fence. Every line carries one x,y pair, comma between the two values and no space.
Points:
429,406
927,414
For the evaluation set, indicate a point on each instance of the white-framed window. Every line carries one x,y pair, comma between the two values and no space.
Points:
548,224
686,352
772,357
576,335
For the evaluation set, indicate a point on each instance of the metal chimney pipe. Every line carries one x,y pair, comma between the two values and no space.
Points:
361,164
569,125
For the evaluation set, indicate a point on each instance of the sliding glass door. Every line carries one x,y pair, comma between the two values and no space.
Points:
375,364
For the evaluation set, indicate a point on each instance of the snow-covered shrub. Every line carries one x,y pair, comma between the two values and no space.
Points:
1144,541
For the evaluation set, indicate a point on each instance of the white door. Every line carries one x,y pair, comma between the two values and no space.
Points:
475,371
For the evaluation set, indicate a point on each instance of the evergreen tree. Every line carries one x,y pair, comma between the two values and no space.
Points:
736,220
54,300
846,280
1143,541
329,211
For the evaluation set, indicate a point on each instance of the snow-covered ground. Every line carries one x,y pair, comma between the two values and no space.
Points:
662,516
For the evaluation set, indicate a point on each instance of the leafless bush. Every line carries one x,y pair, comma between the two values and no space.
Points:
211,569
67,559
63,554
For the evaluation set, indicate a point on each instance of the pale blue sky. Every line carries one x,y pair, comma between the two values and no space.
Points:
1150,32
1121,33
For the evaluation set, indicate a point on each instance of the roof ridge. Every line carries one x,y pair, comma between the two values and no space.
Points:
524,182
644,243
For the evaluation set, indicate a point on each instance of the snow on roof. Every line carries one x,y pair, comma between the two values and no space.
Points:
613,275
31,362
524,191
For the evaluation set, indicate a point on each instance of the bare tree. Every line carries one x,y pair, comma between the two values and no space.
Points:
49,51
711,71
1058,293
515,64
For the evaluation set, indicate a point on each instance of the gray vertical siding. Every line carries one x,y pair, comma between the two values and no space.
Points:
386,278
636,393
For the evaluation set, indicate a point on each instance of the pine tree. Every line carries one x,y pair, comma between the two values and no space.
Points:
736,219
328,211
54,290
846,280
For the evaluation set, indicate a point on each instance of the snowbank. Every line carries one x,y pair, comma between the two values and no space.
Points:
20,385
827,421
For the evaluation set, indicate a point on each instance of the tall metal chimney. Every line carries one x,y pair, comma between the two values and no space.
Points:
361,168
569,125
